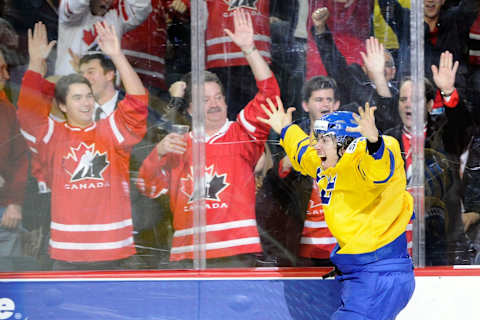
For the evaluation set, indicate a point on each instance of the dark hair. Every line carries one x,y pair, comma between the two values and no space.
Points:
430,89
317,83
63,85
105,62
209,77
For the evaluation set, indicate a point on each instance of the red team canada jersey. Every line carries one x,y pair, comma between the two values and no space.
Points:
145,47
88,172
317,241
231,155
221,51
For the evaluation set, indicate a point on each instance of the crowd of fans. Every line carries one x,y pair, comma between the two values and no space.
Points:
100,177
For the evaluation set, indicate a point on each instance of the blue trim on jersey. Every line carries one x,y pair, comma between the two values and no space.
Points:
379,153
301,152
284,131
351,262
392,168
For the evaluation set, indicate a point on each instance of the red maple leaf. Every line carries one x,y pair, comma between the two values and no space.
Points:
89,36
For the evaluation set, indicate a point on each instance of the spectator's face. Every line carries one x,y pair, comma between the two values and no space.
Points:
405,104
320,103
4,75
100,7
431,8
326,147
95,74
215,106
79,105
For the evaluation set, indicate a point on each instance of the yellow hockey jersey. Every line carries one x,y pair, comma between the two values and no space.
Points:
364,198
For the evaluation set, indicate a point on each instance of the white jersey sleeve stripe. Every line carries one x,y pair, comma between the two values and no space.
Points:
219,245
325,240
28,136
245,122
315,224
91,227
91,246
48,136
218,227
114,127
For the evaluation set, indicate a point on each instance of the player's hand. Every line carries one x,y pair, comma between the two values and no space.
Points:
366,123
107,39
319,18
172,143
243,36
277,117
12,216
469,219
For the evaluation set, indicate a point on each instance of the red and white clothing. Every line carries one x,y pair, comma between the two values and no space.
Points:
349,26
145,47
220,49
230,158
76,27
88,172
316,241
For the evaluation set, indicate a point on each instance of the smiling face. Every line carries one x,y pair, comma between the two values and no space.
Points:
79,105
215,107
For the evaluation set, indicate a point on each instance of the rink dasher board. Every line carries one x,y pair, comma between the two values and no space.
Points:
262,293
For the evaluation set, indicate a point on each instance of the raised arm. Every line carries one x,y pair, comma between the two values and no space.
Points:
39,48
374,61
71,11
110,45
243,38
444,74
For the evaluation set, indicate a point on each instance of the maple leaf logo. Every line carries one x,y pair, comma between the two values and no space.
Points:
214,184
235,4
84,162
89,36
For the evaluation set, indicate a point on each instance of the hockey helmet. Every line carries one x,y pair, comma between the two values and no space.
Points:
336,124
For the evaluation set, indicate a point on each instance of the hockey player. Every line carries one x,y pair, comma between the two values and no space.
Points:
362,183
231,151
86,162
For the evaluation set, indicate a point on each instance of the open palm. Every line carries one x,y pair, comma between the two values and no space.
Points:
243,36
